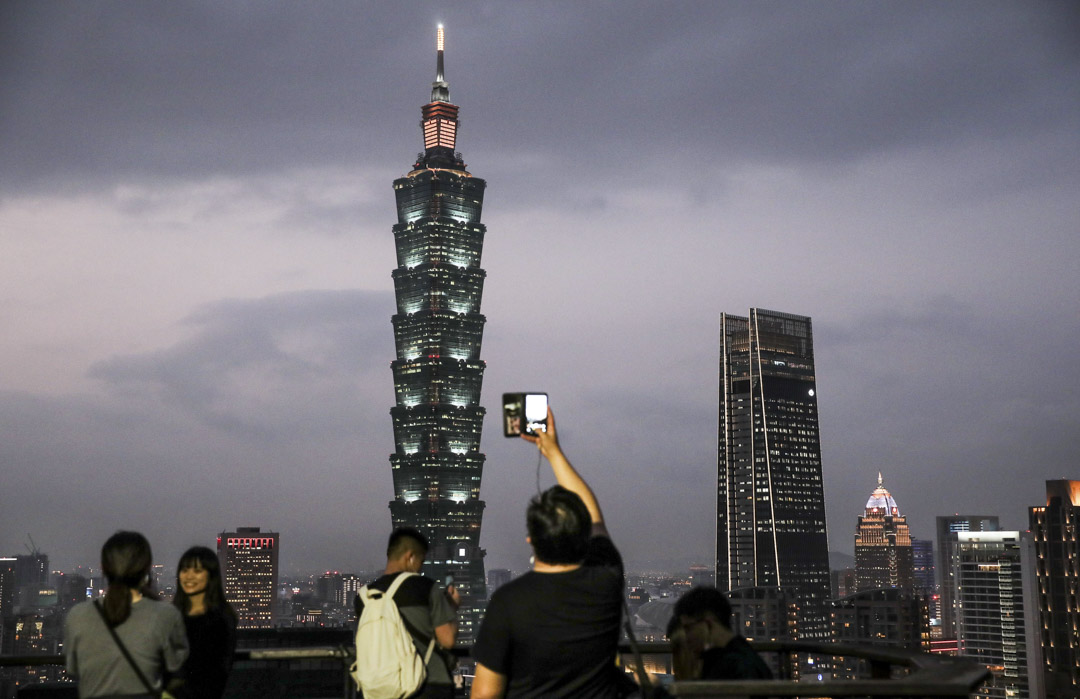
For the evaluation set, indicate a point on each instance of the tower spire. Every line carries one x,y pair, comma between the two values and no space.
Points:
440,89
440,120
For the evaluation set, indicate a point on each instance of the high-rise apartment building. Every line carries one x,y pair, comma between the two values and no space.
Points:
992,621
767,614
884,616
770,511
922,559
249,570
1055,530
883,553
438,372
8,596
948,527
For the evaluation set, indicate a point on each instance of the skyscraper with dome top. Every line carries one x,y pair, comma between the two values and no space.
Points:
884,557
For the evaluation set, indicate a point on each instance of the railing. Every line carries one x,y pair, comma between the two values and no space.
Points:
927,676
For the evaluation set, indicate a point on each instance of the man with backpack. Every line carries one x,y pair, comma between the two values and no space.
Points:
401,641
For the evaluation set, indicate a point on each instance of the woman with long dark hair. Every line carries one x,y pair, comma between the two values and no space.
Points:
149,638
210,622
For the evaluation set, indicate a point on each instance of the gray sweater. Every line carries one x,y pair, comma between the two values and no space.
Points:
154,636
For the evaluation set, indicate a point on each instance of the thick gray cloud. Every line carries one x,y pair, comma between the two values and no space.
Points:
99,89
264,415
251,363
195,254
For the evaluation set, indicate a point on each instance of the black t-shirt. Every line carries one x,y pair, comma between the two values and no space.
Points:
735,661
212,638
556,634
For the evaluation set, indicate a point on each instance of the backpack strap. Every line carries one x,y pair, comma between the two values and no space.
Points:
423,638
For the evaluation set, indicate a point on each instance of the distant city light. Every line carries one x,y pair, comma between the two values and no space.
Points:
439,39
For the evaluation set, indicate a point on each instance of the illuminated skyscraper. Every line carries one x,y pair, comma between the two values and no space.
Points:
1055,529
883,553
770,528
438,372
948,528
249,570
993,623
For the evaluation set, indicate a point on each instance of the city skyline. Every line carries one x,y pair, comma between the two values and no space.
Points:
194,257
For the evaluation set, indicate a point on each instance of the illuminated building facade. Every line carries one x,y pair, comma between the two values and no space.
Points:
767,614
438,372
922,559
249,570
883,553
948,528
884,616
770,529
991,615
7,588
1055,530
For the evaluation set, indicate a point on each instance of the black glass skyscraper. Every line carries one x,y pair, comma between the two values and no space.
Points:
438,328
770,507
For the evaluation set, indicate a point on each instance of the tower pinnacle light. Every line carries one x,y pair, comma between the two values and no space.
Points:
440,89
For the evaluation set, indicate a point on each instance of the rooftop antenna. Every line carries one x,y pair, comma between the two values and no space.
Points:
440,46
440,89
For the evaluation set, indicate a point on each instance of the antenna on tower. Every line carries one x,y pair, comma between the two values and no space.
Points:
440,90
440,44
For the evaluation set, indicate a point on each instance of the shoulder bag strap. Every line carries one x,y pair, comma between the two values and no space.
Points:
127,655
643,677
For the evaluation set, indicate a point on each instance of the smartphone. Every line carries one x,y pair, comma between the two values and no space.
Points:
524,413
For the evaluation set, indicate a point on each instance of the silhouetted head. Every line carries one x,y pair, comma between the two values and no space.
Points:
126,561
559,526
702,601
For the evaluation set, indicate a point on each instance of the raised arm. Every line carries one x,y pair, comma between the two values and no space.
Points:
565,473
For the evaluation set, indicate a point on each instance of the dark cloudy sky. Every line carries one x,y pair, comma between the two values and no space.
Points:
195,255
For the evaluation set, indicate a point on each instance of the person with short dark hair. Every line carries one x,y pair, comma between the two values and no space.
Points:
431,611
554,631
704,645
151,631
210,623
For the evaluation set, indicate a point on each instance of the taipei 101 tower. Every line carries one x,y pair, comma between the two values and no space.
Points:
438,372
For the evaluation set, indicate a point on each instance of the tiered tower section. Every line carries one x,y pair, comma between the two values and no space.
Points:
438,328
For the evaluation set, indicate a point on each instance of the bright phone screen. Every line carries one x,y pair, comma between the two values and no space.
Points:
535,408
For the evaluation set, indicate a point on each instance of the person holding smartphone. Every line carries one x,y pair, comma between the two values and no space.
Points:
554,631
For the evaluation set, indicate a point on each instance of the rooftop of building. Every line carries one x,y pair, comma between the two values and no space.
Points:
881,501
